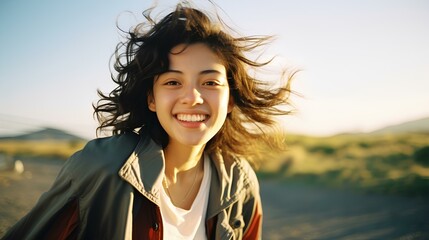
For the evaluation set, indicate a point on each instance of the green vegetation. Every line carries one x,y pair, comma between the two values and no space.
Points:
393,164
422,156
61,149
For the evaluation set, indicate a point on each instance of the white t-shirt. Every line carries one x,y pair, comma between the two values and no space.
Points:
179,223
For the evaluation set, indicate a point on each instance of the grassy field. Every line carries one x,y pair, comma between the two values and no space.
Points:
40,148
394,164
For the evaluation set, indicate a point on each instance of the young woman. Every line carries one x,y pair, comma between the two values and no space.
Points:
175,167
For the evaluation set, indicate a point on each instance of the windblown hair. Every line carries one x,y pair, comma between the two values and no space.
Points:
145,56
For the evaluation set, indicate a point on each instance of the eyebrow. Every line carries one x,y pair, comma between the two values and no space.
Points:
204,72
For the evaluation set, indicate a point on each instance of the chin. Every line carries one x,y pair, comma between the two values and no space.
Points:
195,142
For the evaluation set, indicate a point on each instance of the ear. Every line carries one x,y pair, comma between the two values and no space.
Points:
151,103
231,103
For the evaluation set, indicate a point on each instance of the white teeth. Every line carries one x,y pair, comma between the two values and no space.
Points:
191,117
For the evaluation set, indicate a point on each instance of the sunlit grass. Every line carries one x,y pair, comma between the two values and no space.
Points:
40,148
381,163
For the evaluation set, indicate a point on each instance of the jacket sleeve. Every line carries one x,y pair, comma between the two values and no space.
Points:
55,215
254,226
252,209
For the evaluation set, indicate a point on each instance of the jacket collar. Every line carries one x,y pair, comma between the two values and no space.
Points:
144,170
227,183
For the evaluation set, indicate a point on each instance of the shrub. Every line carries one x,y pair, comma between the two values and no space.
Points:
364,145
421,156
396,159
325,149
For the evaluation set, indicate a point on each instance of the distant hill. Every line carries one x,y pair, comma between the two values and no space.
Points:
420,125
44,134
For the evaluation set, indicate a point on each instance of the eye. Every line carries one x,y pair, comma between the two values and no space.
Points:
212,83
172,82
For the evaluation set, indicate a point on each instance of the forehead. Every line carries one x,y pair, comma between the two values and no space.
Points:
197,56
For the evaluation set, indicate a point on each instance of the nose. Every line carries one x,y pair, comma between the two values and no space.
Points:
192,96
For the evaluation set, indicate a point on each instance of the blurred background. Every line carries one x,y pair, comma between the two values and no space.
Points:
364,63
360,131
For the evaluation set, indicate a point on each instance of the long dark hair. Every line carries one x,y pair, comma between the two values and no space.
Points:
145,55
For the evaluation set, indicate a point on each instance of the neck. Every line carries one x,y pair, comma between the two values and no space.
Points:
181,159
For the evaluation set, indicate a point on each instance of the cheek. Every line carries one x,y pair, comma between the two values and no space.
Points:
163,103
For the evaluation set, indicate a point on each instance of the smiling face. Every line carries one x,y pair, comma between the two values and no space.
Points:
191,99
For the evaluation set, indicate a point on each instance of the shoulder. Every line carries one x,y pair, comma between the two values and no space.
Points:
126,141
237,171
245,169
107,153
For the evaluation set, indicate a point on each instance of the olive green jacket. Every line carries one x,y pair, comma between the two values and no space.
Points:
111,190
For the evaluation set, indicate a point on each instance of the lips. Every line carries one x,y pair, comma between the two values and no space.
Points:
191,117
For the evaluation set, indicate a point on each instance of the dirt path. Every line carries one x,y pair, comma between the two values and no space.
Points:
19,193
291,211
294,211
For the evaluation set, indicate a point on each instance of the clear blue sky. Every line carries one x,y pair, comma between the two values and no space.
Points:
365,63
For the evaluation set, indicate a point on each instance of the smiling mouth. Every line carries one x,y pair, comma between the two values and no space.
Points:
191,117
